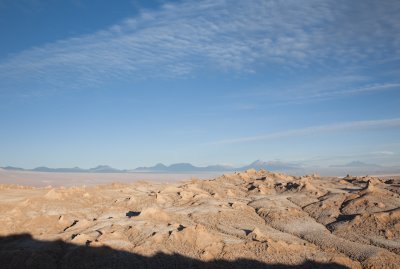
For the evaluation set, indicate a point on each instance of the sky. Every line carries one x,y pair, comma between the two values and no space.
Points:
134,83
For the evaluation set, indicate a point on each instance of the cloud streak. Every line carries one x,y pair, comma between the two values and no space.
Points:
336,127
335,89
183,39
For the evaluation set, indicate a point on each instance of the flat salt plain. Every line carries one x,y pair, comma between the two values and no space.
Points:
44,179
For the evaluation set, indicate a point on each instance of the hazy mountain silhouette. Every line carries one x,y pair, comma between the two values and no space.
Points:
176,167
158,167
187,167
271,165
23,251
356,164
12,168
47,169
105,169
184,167
97,169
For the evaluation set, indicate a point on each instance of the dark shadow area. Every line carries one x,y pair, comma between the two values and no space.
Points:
180,227
351,189
292,185
247,232
22,251
343,217
73,224
340,218
251,187
131,214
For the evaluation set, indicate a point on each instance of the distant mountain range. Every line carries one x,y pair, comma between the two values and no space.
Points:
356,164
176,168
97,169
354,168
183,167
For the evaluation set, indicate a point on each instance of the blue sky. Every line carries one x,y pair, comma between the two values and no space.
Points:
133,83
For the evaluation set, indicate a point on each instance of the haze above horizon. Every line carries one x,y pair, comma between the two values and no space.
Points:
135,83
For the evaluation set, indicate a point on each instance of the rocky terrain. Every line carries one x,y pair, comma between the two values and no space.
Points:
252,219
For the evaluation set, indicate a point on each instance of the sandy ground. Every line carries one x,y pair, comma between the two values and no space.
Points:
253,219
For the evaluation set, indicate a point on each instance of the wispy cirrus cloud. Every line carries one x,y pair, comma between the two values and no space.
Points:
335,127
326,90
367,88
183,39
322,87
383,153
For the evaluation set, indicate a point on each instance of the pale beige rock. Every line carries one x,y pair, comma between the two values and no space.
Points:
268,217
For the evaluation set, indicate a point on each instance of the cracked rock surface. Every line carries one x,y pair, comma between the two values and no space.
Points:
269,217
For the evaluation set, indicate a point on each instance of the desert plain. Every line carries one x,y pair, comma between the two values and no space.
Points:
249,219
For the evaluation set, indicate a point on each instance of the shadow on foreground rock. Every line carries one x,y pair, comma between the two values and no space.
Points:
23,251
